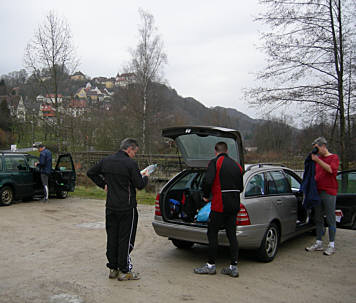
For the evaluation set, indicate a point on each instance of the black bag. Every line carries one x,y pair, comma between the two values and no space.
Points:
193,202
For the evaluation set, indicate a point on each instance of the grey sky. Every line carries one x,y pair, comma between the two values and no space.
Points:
211,45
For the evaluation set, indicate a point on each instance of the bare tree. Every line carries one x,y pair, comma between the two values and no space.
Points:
308,48
147,63
49,56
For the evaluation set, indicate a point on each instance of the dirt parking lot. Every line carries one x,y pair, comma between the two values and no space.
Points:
55,253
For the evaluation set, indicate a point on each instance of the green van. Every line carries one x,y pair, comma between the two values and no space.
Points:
20,178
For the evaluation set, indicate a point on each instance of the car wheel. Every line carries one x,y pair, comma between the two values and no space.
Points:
182,244
62,194
6,195
269,246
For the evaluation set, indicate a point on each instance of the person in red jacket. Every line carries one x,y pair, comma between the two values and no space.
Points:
326,166
223,180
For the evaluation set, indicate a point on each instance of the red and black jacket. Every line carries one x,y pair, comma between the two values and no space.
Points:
223,179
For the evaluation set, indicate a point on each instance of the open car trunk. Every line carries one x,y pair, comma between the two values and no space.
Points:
182,199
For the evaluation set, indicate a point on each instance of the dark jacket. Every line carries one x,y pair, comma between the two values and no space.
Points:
45,163
122,176
223,179
308,186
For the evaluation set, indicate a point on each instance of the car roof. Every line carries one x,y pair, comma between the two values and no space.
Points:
8,153
254,166
261,167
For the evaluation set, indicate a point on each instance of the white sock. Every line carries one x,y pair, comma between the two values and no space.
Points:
46,192
332,244
210,265
231,266
319,242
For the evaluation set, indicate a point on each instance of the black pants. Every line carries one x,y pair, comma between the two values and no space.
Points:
225,221
121,232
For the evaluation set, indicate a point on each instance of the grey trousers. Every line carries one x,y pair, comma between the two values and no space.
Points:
44,179
327,208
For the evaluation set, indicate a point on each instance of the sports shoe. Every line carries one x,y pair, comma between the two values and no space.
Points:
130,275
315,247
231,271
113,273
205,270
329,251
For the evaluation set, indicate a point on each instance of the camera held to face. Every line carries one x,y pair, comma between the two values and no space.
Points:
315,150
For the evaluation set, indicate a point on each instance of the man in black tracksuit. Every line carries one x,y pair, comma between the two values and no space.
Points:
119,175
224,181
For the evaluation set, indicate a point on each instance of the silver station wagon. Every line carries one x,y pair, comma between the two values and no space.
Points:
271,204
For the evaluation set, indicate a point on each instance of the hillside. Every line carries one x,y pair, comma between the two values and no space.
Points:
191,111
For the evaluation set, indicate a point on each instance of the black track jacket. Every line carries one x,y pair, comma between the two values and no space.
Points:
223,179
122,176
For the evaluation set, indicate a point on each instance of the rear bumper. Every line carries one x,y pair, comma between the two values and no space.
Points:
249,237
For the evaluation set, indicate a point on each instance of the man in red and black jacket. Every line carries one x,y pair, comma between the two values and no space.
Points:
223,180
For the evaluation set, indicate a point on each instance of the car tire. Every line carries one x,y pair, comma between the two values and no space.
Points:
269,247
62,194
6,195
182,244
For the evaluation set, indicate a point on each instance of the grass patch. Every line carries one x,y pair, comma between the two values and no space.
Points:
94,192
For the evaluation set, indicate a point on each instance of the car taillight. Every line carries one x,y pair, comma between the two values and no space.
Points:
157,208
242,216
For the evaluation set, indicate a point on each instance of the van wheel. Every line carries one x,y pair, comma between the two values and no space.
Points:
6,195
62,194
269,246
182,244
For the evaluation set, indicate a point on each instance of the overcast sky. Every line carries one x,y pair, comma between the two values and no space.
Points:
211,45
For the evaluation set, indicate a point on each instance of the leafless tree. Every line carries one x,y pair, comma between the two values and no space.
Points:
49,56
147,62
309,49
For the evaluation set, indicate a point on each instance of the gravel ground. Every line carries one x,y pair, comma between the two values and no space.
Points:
55,253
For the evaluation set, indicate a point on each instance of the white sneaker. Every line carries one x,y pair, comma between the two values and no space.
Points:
329,251
315,247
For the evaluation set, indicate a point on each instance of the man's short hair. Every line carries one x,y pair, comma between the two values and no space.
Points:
221,147
320,141
128,142
40,145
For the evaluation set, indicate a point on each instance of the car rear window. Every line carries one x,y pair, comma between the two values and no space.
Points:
255,186
202,147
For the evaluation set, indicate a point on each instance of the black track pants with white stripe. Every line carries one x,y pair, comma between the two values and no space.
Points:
121,232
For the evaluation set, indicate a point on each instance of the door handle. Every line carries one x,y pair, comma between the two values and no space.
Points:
279,202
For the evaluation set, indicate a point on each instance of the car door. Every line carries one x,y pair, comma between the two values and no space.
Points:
17,170
63,177
31,161
257,203
284,201
346,197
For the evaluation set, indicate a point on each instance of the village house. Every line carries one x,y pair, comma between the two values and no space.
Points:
78,76
125,79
